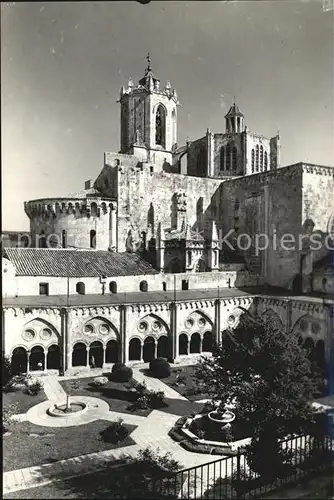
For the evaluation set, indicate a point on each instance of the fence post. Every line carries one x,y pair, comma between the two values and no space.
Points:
238,489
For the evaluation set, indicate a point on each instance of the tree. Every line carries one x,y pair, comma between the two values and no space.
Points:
266,374
6,370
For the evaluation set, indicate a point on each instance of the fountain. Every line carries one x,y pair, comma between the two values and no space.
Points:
67,408
216,431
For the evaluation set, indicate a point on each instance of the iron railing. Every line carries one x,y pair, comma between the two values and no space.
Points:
231,477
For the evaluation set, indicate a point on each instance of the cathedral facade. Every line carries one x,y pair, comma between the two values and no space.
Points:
169,245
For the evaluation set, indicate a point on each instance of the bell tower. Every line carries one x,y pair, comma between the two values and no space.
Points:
149,119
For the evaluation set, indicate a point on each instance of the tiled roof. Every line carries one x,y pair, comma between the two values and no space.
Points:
76,263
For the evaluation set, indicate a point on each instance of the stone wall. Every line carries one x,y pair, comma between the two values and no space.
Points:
146,198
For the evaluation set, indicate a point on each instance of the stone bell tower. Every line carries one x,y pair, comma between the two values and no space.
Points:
149,119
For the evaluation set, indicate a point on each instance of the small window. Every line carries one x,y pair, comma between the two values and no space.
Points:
253,161
44,288
151,170
80,288
257,158
185,285
189,258
164,286
93,239
113,287
63,239
143,286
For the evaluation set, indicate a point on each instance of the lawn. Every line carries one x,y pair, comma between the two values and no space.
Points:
24,401
31,444
187,386
112,483
116,394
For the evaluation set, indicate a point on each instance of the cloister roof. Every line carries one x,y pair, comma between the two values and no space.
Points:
76,263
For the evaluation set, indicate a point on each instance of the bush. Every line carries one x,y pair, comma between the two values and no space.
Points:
156,399
100,381
115,433
121,373
34,388
160,367
8,412
6,370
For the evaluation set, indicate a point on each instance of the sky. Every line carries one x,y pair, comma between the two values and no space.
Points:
63,63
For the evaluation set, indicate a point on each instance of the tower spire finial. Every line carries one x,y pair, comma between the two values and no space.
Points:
234,100
148,59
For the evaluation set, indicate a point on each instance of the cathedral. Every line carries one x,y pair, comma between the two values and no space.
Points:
169,246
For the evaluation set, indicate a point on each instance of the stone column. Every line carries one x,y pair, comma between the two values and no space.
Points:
141,351
45,359
173,331
104,355
67,340
87,356
28,361
123,347
113,227
155,348
216,332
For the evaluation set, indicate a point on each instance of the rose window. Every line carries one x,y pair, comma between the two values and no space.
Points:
89,329
189,323
29,335
315,327
46,333
201,322
156,325
231,319
142,327
104,329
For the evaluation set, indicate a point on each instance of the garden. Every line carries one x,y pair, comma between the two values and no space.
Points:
28,444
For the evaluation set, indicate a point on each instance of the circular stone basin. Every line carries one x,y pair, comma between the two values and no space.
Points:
61,410
221,418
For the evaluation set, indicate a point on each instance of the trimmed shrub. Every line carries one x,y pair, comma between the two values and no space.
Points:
121,373
34,387
100,381
160,367
115,433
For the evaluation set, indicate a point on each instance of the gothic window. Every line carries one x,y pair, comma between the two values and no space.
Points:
253,161
234,158
92,238
261,158
228,158
160,127
257,158
143,286
201,162
222,158
265,161
238,124
113,287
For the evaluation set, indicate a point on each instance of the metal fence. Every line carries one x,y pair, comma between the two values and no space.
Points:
231,477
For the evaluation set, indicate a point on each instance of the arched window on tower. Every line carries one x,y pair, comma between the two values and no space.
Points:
257,158
92,238
261,158
234,158
222,158
265,161
253,161
228,158
160,127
